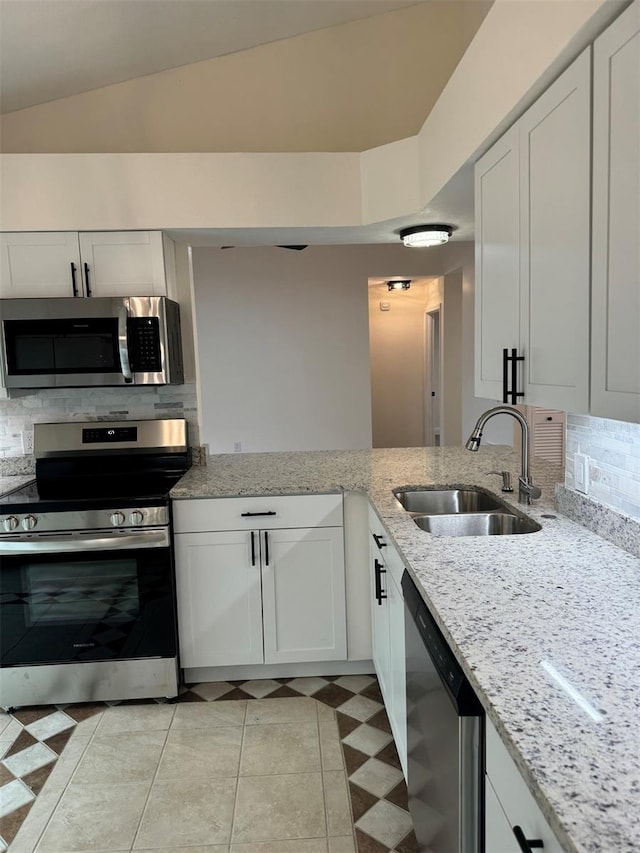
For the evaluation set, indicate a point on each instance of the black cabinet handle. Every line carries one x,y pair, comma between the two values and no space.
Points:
379,541
253,548
253,514
86,279
74,284
527,844
266,548
512,392
379,570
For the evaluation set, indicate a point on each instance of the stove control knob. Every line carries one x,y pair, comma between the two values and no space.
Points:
10,523
29,522
117,519
136,517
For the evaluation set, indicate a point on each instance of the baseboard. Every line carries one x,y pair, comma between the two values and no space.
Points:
197,675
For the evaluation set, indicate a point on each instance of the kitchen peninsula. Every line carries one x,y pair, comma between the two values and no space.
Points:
514,609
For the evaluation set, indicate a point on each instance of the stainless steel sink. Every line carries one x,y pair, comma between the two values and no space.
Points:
446,501
462,512
476,524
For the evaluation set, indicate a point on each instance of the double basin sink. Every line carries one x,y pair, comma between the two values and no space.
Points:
462,512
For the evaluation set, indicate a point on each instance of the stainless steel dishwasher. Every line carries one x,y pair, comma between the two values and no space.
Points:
445,739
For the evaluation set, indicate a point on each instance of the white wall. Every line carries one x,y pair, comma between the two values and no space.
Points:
283,348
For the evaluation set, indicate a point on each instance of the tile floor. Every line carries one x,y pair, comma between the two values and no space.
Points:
303,765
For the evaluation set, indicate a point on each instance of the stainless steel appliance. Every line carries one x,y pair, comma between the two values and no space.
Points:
87,586
445,738
87,342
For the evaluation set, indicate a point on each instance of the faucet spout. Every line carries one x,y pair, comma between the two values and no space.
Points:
526,491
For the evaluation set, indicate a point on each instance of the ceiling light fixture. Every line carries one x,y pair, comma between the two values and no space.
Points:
426,235
399,284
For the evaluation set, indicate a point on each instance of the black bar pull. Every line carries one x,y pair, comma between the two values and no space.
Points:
505,376
379,570
379,541
253,548
253,514
86,278
515,394
512,359
74,284
527,844
266,548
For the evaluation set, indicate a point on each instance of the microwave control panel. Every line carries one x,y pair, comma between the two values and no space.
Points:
144,344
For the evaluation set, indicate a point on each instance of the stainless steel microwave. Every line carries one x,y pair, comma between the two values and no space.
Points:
62,343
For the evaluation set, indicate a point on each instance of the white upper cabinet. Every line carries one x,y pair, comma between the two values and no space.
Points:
555,166
40,264
497,217
532,250
68,263
615,361
123,263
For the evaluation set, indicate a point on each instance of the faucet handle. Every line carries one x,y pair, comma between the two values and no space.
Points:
528,490
506,480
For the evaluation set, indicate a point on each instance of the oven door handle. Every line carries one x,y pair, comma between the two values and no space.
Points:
96,540
123,343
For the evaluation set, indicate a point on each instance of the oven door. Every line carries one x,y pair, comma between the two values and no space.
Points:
101,596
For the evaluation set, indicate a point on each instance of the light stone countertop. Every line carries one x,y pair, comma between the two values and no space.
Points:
506,604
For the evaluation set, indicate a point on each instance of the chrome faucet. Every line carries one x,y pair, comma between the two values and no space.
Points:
526,490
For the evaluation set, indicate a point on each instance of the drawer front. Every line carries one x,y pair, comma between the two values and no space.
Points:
516,800
211,514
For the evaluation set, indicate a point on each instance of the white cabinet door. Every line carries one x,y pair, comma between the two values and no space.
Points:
514,799
397,670
497,271
499,837
615,356
532,249
303,594
219,601
123,263
555,165
39,264
380,624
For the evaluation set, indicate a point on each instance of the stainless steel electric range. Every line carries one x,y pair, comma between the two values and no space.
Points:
87,586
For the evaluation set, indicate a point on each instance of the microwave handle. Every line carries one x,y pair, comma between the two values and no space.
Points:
123,345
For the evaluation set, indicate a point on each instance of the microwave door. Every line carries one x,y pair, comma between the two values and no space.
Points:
61,343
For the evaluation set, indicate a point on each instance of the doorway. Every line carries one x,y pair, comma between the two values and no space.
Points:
401,384
433,378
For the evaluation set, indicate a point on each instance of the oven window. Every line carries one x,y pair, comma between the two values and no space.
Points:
96,591
103,605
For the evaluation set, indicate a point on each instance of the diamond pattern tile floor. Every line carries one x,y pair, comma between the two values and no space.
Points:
379,819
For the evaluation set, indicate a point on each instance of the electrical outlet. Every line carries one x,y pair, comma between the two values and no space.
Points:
237,447
27,441
581,472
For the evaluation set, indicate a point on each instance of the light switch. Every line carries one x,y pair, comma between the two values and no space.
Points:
385,306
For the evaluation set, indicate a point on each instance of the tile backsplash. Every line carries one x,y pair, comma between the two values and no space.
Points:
613,451
51,405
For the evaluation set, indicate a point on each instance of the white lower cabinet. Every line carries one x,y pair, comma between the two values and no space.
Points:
387,619
260,595
510,809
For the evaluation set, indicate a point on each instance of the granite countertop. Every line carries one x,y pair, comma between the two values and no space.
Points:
514,610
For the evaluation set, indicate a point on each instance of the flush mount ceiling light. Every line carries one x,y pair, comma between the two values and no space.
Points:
399,284
425,235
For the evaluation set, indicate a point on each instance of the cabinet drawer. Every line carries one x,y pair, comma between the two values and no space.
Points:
210,514
515,798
